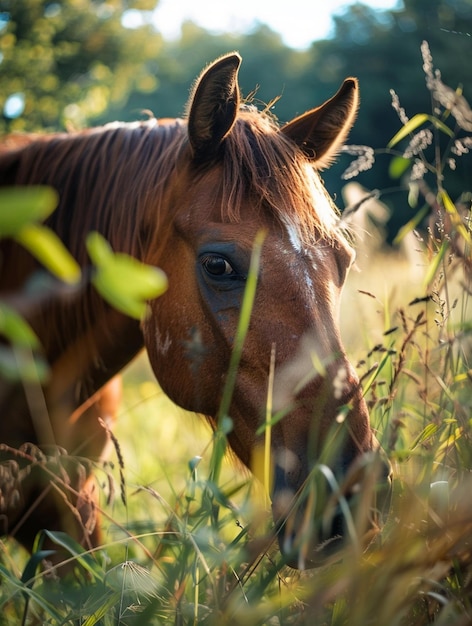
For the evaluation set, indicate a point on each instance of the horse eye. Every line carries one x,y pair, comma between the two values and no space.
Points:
217,265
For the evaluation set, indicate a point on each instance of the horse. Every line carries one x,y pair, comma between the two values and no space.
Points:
189,195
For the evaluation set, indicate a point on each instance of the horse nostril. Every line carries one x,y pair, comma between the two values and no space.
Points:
332,509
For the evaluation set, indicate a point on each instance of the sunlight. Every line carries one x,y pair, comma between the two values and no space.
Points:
307,21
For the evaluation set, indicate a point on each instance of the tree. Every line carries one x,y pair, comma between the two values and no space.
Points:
383,50
74,63
269,70
64,63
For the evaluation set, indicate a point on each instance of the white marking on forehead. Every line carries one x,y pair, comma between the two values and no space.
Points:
309,284
294,236
310,253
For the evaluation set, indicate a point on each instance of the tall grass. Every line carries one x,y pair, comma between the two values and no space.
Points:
190,539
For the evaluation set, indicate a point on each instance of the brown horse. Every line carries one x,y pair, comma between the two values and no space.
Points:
189,196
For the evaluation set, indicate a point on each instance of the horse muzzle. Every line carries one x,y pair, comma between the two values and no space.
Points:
331,510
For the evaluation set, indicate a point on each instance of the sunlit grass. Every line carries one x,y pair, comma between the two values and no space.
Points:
414,389
187,531
188,549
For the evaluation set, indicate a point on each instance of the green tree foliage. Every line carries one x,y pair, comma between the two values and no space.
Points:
383,50
76,64
269,71
69,60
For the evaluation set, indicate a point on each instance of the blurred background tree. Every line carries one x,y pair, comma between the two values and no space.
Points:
79,62
383,50
64,63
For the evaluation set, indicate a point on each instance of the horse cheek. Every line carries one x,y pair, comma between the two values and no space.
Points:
178,349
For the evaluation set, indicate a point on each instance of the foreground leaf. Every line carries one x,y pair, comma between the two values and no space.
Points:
20,364
418,120
456,219
124,282
20,206
65,541
46,246
16,329
436,262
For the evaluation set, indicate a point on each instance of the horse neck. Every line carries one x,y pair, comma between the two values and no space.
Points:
109,180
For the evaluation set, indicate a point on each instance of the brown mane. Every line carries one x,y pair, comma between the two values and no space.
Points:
103,175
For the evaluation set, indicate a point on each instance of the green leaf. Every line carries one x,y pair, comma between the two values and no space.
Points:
441,126
275,419
456,219
16,329
398,166
20,206
108,604
409,127
19,364
32,565
136,280
411,224
425,434
46,246
39,599
418,120
99,249
413,194
376,372
71,546
435,263
123,281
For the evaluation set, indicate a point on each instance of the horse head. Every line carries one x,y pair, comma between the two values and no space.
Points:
239,174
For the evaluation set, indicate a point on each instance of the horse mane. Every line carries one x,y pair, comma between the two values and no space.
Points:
104,176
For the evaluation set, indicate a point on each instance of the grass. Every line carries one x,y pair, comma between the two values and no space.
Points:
187,534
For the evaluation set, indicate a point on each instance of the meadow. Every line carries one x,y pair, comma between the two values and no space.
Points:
188,531
413,356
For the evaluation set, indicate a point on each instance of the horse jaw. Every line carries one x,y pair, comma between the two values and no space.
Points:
330,492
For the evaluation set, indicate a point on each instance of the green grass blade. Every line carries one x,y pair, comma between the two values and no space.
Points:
456,219
376,372
65,541
411,224
243,323
224,423
418,120
435,263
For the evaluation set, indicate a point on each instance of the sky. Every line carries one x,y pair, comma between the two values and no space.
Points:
298,21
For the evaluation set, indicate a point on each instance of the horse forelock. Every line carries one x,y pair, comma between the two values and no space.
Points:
260,162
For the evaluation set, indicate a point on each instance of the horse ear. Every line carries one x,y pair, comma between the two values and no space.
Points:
321,132
213,106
